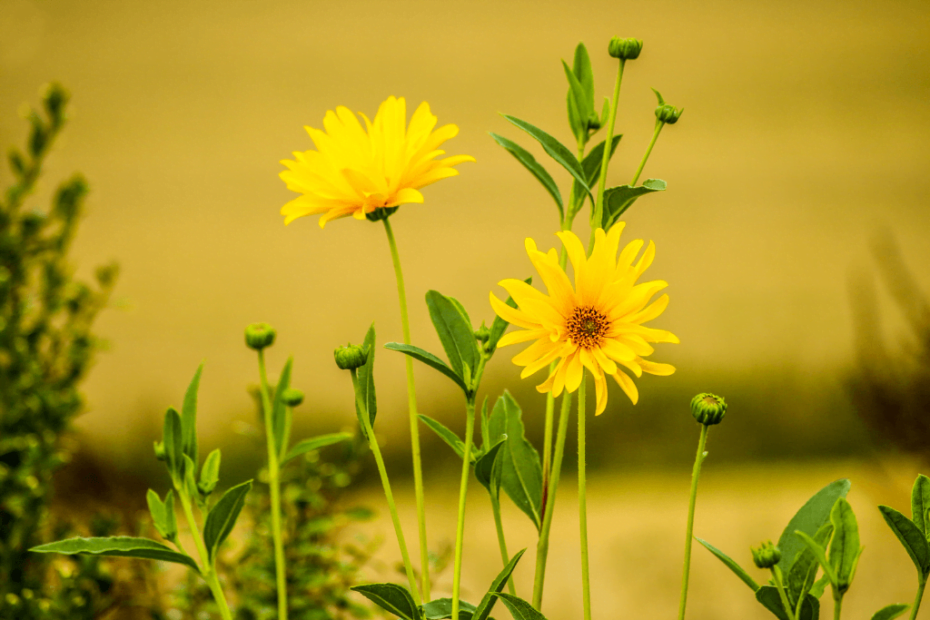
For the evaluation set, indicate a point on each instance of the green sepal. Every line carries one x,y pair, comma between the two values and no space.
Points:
429,359
118,546
890,612
618,199
536,169
499,325
803,574
366,381
497,586
554,148
315,443
174,446
488,469
920,504
456,335
222,518
519,609
392,598
521,472
731,564
912,539
163,513
771,600
441,609
189,416
444,433
844,548
210,473
810,518
279,415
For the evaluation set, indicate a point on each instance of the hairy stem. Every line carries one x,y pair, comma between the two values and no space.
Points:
689,531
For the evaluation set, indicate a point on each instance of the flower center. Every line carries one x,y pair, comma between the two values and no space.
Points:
586,327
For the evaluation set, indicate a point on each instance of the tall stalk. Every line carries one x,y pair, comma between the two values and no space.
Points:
598,216
463,491
689,530
583,502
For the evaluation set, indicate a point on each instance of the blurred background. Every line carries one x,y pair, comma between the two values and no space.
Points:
793,235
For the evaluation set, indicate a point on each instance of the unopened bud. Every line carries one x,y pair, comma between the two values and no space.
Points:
708,409
259,335
482,334
350,356
160,451
292,397
625,49
766,556
665,112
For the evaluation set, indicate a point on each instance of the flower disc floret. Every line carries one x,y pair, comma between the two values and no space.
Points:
358,170
598,323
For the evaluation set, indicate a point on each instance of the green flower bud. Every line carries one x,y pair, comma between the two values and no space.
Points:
625,49
351,356
708,409
293,397
160,451
259,335
766,556
482,334
667,113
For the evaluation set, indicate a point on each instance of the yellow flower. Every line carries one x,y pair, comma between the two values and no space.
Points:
356,170
597,324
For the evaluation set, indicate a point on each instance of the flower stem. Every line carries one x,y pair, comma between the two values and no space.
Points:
274,483
412,409
501,540
463,490
652,143
837,607
920,595
583,503
598,215
542,546
695,475
206,568
780,586
389,496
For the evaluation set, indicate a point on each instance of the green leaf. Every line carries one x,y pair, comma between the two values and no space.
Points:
583,105
578,125
521,472
119,546
592,168
391,597
427,358
581,67
159,512
554,148
819,586
315,443
174,445
222,517
920,504
890,612
771,600
210,473
618,199
910,536
731,564
497,586
499,325
519,609
456,334
190,481
445,433
844,548
366,381
189,416
821,555
809,519
529,162
441,608
279,421
804,569
488,469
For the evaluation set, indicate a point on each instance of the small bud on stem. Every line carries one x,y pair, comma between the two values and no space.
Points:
708,409
351,356
259,335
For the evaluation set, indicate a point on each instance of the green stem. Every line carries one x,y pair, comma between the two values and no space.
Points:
206,568
608,142
652,143
389,496
412,410
274,483
542,546
837,607
463,490
501,541
583,503
695,475
920,596
780,586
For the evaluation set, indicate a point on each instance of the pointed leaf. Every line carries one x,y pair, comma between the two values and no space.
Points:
190,480
583,105
429,359
536,169
581,67
618,199
366,380
174,445
497,586
521,472
819,586
157,510
189,416
315,443
920,504
445,433
519,609
392,598
222,517
844,548
499,326
456,334
891,612
578,125
210,473
441,608
171,519
120,546
554,148
592,168
731,564
488,466
279,421
809,519
821,556
804,569
910,536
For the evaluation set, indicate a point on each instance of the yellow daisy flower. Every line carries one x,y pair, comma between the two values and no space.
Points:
356,170
597,324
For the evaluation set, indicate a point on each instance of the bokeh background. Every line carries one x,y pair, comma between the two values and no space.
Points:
798,170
